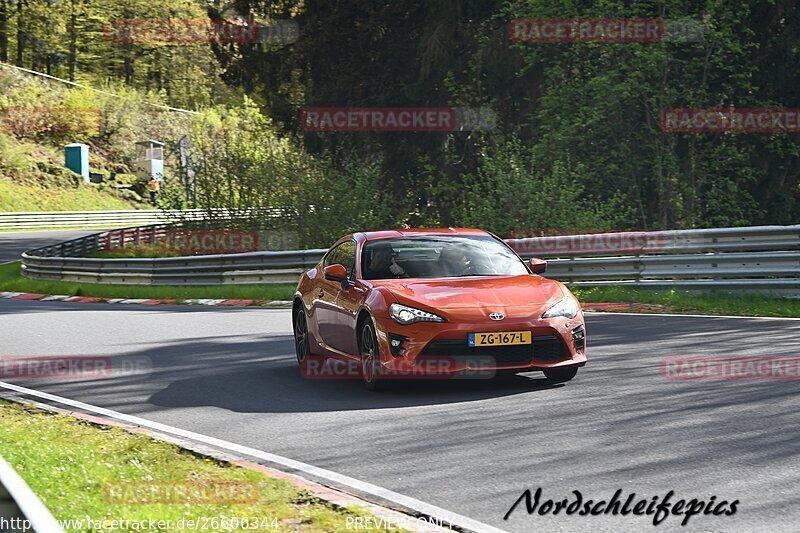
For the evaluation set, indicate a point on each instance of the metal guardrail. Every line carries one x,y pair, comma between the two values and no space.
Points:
20,509
637,243
253,267
759,258
66,219
65,261
105,219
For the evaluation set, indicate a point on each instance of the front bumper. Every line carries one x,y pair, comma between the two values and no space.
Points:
440,348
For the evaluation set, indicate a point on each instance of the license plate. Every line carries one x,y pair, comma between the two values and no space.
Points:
500,338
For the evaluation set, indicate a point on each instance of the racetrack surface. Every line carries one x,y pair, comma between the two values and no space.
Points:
13,243
465,445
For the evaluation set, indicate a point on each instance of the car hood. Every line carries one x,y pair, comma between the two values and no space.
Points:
494,293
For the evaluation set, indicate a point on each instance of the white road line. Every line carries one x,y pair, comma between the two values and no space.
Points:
338,480
695,316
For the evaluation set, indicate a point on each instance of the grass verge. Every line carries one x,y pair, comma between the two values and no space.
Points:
143,250
11,280
676,301
76,468
19,197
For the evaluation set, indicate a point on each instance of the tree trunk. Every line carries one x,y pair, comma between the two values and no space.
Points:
20,33
127,52
73,40
4,30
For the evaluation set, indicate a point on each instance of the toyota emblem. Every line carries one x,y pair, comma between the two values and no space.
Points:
497,316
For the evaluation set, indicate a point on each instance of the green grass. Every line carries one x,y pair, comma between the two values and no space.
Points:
17,197
67,462
11,280
676,301
142,250
128,254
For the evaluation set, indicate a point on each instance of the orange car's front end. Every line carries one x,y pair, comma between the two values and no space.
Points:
478,326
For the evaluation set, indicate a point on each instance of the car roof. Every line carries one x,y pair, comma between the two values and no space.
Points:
417,232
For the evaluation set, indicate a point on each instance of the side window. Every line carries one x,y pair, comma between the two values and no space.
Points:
331,258
347,257
344,254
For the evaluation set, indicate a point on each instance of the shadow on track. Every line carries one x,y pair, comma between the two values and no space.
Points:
260,374
276,386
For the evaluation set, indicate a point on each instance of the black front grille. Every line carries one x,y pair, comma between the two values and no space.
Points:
546,348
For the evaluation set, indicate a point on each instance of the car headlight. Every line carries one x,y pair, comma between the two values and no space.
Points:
408,315
566,307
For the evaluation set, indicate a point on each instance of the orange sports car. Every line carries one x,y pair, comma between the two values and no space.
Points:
434,303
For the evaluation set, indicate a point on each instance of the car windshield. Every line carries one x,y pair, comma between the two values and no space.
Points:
439,257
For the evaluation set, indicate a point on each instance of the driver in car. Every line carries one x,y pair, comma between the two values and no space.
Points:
453,261
382,264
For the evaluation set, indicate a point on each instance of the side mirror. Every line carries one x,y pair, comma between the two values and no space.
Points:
537,265
335,273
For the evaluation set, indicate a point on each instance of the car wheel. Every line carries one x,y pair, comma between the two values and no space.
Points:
301,344
561,374
370,358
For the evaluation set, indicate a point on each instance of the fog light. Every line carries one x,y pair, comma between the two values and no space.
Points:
396,343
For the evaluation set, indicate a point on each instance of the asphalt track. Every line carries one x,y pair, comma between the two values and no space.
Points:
469,446
12,244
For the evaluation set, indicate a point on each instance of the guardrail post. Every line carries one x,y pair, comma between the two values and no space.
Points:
639,267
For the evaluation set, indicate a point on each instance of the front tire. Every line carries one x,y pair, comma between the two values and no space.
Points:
370,358
561,374
302,347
